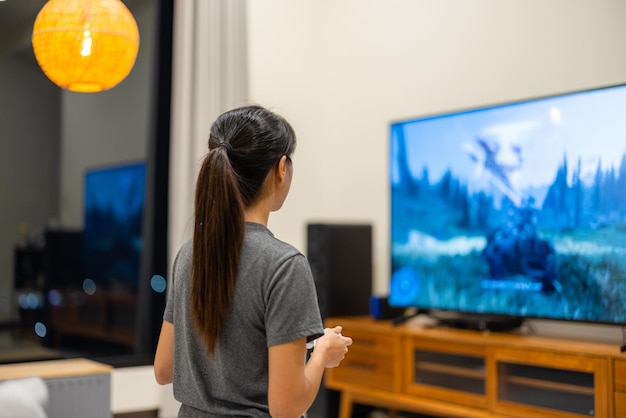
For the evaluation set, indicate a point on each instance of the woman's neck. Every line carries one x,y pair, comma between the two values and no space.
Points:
259,213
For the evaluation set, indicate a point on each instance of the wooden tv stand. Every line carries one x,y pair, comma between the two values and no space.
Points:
464,373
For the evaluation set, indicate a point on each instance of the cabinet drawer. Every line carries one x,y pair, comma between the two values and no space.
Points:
620,374
369,369
371,343
370,361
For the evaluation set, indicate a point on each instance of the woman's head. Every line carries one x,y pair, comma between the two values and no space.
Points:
254,139
245,145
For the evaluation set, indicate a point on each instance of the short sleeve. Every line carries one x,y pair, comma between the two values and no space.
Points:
292,309
168,314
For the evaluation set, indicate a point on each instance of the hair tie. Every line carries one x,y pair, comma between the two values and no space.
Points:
229,148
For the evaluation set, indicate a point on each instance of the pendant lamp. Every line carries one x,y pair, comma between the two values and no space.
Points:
85,45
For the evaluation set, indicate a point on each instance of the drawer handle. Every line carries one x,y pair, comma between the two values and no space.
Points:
361,365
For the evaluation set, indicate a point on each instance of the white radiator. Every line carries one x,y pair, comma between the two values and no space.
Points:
79,397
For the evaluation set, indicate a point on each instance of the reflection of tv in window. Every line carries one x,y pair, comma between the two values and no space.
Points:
516,210
112,238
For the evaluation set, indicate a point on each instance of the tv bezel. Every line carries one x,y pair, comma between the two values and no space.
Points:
460,318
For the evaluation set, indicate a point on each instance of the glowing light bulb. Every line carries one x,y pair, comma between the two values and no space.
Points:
86,46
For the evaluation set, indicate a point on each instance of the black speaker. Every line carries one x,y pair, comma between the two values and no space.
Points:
340,256
27,268
62,258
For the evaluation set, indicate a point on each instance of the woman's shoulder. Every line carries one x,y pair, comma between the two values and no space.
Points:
184,254
260,238
185,249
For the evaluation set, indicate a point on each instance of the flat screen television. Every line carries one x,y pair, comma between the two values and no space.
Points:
114,201
515,210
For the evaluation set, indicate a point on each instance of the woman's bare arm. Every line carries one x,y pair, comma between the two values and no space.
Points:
293,384
164,358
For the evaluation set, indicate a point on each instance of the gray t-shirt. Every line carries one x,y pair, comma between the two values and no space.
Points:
274,302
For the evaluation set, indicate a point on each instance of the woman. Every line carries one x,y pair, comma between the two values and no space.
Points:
242,305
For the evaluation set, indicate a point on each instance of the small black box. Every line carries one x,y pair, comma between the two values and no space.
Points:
380,309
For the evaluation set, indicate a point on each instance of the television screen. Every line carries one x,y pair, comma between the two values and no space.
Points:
515,210
112,236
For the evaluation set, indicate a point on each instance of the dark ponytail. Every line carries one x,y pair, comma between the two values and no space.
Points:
218,233
244,145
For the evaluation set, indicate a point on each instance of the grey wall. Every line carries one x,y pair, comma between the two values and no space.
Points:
49,137
30,115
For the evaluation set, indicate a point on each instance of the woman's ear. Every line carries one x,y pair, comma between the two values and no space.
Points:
282,169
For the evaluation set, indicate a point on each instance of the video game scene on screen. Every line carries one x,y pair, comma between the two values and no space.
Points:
515,210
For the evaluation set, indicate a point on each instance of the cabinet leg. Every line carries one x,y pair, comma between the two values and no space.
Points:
345,406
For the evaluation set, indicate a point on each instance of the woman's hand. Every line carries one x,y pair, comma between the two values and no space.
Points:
332,347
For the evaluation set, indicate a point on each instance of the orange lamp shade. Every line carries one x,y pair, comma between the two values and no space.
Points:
85,45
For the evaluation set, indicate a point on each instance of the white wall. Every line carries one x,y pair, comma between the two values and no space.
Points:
340,71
